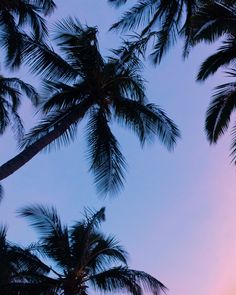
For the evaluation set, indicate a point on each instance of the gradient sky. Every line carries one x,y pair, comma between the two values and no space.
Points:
176,216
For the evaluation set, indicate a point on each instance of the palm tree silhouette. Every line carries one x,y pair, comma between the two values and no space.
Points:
84,257
82,86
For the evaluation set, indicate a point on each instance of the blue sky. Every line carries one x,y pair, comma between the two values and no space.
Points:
176,216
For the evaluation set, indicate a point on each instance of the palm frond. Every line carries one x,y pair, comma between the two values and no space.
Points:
130,51
147,121
115,279
93,218
43,60
62,96
44,219
9,37
54,236
24,87
219,111
167,33
125,79
212,21
148,282
223,57
105,251
107,162
16,124
123,278
138,15
27,14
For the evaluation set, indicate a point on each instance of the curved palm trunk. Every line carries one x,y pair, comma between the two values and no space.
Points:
29,152
32,150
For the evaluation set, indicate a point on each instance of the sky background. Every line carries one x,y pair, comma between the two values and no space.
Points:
176,216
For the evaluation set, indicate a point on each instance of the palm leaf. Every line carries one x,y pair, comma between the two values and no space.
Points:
123,278
107,162
219,111
9,37
106,250
27,14
223,57
62,96
139,14
147,121
213,20
54,236
43,60
26,88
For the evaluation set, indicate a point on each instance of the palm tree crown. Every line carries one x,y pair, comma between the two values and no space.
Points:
84,257
84,85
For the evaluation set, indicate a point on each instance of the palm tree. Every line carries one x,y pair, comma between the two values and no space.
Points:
84,85
17,16
161,20
213,21
20,270
83,257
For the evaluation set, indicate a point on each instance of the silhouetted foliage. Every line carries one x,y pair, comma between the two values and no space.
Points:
214,20
83,257
19,268
162,21
18,17
83,85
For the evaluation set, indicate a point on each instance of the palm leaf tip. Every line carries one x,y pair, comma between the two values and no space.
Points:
219,111
44,219
163,126
94,218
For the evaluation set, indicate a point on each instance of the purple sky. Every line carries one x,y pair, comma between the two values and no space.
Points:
176,216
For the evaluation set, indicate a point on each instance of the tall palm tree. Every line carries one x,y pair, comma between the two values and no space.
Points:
161,20
84,257
213,21
20,270
84,85
17,16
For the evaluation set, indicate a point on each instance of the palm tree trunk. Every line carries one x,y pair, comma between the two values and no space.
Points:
29,152
32,150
